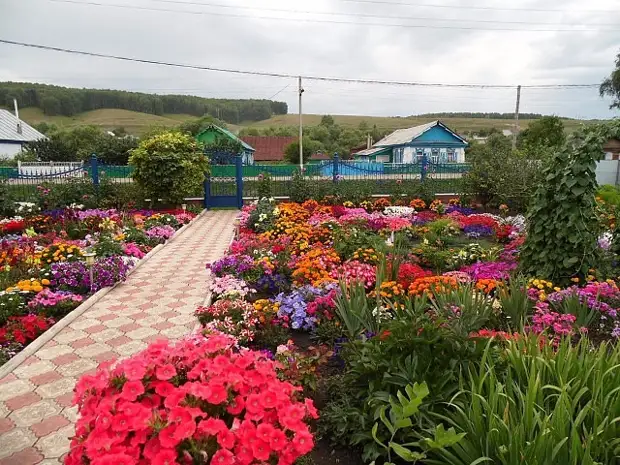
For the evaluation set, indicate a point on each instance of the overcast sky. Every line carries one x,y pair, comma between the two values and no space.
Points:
284,36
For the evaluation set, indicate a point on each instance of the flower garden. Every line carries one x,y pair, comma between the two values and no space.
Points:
366,330
52,261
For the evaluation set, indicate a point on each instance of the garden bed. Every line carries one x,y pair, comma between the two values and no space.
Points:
47,260
408,327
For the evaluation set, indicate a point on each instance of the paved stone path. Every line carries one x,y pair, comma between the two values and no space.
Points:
157,301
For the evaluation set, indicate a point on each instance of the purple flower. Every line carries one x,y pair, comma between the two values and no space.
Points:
489,270
163,233
75,276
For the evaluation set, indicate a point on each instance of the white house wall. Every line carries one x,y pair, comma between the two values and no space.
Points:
409,155
9,149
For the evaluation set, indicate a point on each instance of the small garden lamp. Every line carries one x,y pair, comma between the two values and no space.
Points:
184,207
237,224
90,261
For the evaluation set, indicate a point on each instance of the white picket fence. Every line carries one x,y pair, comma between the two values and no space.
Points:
51,169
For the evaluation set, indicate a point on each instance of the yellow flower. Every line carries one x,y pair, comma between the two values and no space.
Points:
575,280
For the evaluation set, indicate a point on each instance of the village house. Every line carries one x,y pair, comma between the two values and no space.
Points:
213,133
15,134
435,140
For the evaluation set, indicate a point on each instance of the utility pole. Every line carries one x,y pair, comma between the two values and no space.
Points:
516,129
301,131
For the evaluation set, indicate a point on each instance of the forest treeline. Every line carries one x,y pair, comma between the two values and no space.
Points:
67,101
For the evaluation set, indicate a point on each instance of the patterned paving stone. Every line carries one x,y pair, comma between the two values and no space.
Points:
14,389
156,302
51,352
33,369
16,440
29,456
56,444
34,413
57,388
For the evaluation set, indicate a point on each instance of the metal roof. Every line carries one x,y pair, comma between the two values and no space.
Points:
8,129
368,152
404,136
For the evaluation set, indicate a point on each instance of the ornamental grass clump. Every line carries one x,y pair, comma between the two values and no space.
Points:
199,401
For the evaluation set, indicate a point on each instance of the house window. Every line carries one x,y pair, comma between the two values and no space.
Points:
419,153
451,156
398,154
382,158
435,155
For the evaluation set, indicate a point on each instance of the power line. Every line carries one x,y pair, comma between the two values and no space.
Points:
320,21
467,7
366,15
290,76
278,92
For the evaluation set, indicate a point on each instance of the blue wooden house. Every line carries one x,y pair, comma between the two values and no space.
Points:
435,140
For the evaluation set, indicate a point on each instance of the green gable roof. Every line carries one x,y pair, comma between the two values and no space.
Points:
210,132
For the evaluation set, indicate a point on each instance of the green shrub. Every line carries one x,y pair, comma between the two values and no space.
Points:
563,228
545,405
169,166
79,191
264,186
416,347
11,304
300,190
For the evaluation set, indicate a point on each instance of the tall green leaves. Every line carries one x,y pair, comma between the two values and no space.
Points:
547,406
562,227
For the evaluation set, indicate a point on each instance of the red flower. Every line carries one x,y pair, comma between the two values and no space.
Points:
131,390
114,459
312,411
226,439
165,372
233,411
212,426
277,440
223,457
268,399
244,454
166,457
303,442
167,437
236,406
218,393
261,450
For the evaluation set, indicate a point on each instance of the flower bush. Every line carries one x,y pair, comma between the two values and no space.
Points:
197,401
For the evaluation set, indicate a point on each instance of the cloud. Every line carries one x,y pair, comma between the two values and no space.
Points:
236,38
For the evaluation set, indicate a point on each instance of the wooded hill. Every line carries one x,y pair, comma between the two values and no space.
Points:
67,101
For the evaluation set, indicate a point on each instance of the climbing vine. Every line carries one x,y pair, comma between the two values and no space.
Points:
562,226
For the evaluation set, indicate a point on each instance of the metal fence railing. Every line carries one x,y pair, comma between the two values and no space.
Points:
336,175
328,177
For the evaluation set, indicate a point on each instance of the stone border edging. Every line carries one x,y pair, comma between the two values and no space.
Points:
209,297
48,335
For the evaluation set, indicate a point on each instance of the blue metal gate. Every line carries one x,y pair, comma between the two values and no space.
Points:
222,192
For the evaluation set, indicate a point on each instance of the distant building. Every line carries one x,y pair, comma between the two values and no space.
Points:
435,140
269,148
14,134
612,149
213,133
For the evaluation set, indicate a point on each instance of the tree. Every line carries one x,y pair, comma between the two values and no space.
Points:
291,152
543,136
611,85
169,166
327,120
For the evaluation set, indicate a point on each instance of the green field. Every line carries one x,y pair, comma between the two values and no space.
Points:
383,122
138,123
134,122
